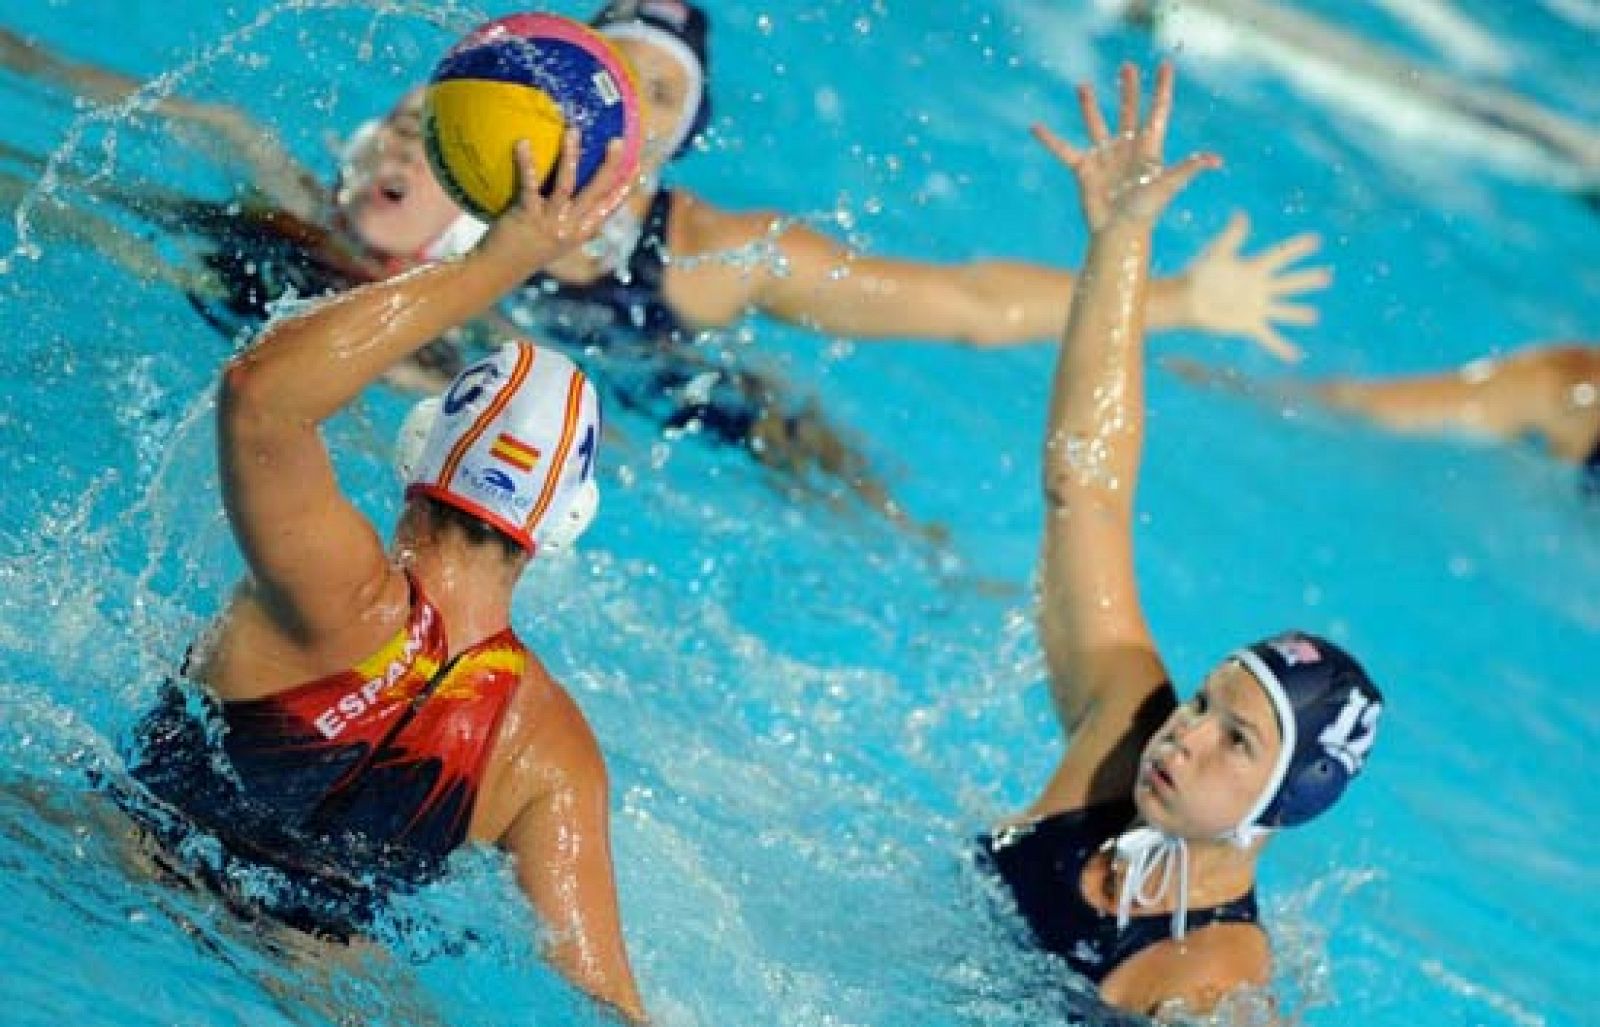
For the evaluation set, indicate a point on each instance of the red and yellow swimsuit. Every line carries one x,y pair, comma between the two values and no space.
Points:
373,771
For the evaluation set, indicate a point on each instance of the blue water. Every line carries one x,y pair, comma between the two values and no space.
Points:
805,713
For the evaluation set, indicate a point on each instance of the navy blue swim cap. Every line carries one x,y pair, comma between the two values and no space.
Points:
680,28
1327,709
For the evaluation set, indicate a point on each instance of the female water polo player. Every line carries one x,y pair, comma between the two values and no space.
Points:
635,297
1549,393
356,714
651,281
814,282
1136,864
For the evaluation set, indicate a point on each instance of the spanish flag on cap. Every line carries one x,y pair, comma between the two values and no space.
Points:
513,442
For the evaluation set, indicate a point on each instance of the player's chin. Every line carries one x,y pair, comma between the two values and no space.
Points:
386,233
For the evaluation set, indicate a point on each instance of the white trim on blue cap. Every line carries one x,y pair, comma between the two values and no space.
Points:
1248,830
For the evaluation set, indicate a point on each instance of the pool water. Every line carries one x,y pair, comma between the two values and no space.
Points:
807,713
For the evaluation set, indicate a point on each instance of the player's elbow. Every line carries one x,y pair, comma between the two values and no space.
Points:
256,391
975,318
988,331
994,307
243,395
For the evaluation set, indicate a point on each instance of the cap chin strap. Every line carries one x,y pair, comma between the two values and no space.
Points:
612,247
678,50
1146,850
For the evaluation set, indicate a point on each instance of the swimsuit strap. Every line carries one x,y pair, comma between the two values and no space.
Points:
648,262
622,304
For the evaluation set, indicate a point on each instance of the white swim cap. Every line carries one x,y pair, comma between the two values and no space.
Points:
512,442
458,237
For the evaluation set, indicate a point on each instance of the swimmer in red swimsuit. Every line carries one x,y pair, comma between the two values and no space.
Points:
371,706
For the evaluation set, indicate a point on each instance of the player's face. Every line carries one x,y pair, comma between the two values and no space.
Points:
664,96
387,194
1201,773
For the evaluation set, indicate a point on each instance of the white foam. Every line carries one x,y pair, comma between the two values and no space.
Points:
1506,1006
1409,102
1583,13
1462,40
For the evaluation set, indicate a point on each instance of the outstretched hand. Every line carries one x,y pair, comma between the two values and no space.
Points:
1121,178
1231,294
538,228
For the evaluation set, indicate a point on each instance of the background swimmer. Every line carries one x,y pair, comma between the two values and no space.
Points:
279,235
1548,393
660,273
1137,861
806,278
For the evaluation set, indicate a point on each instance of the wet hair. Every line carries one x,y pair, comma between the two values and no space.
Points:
442,516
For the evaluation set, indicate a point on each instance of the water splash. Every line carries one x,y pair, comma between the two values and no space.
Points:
148,98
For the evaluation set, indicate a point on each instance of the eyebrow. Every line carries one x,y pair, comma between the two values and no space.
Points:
1244,723
1248,727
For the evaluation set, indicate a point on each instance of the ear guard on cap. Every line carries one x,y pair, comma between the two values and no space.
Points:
412,437
559,531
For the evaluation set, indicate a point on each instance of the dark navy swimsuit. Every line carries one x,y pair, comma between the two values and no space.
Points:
1042,864
620,325
638,349
256,269
627,301
260,256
